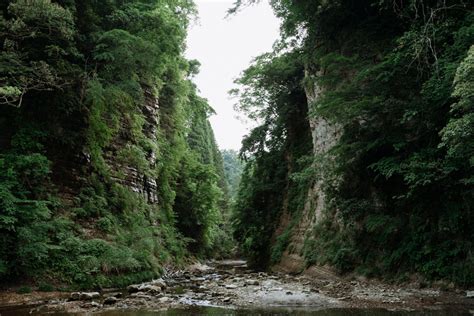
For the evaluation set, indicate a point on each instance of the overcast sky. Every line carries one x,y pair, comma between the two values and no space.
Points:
225,47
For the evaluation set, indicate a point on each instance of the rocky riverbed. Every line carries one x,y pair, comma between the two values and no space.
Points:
230,284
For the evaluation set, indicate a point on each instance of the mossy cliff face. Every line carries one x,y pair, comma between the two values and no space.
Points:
324,135
97,153
386,187
128,174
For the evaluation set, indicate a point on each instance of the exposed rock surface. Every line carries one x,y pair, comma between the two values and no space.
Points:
324,136
125,173
230,284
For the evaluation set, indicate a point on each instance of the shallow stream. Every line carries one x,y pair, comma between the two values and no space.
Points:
229,288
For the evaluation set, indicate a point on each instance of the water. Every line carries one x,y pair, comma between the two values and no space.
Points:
283,312
197,310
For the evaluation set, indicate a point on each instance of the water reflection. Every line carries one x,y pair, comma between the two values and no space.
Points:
204,311
283,312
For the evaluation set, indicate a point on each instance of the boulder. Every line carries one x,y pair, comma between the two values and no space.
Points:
149,288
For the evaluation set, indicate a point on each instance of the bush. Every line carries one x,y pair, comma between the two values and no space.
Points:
24,290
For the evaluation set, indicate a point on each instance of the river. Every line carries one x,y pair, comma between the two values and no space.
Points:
229,288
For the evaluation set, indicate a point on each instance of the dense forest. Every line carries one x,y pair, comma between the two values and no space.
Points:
370,106
108,165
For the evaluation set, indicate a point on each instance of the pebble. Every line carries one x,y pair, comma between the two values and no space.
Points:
231,286
470,294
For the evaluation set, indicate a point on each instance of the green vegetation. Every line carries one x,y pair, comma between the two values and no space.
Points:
108,165
109,168
396,79
233,168
271,93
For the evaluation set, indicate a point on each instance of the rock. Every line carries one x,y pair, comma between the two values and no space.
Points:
110,300
133,288
289,293
251,282
231,286
470,294
141,295
164,299
75,296
226,299
87,296
160,282
198,267
152,289
95,304
113,294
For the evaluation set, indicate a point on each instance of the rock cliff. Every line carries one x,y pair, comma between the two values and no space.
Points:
324,137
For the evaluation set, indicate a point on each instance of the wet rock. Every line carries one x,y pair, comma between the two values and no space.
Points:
110,300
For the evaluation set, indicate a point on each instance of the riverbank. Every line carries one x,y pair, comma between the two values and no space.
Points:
231,284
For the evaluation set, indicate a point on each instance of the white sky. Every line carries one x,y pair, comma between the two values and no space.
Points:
225,47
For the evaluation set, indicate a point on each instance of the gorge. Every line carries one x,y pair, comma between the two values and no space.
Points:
359,167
